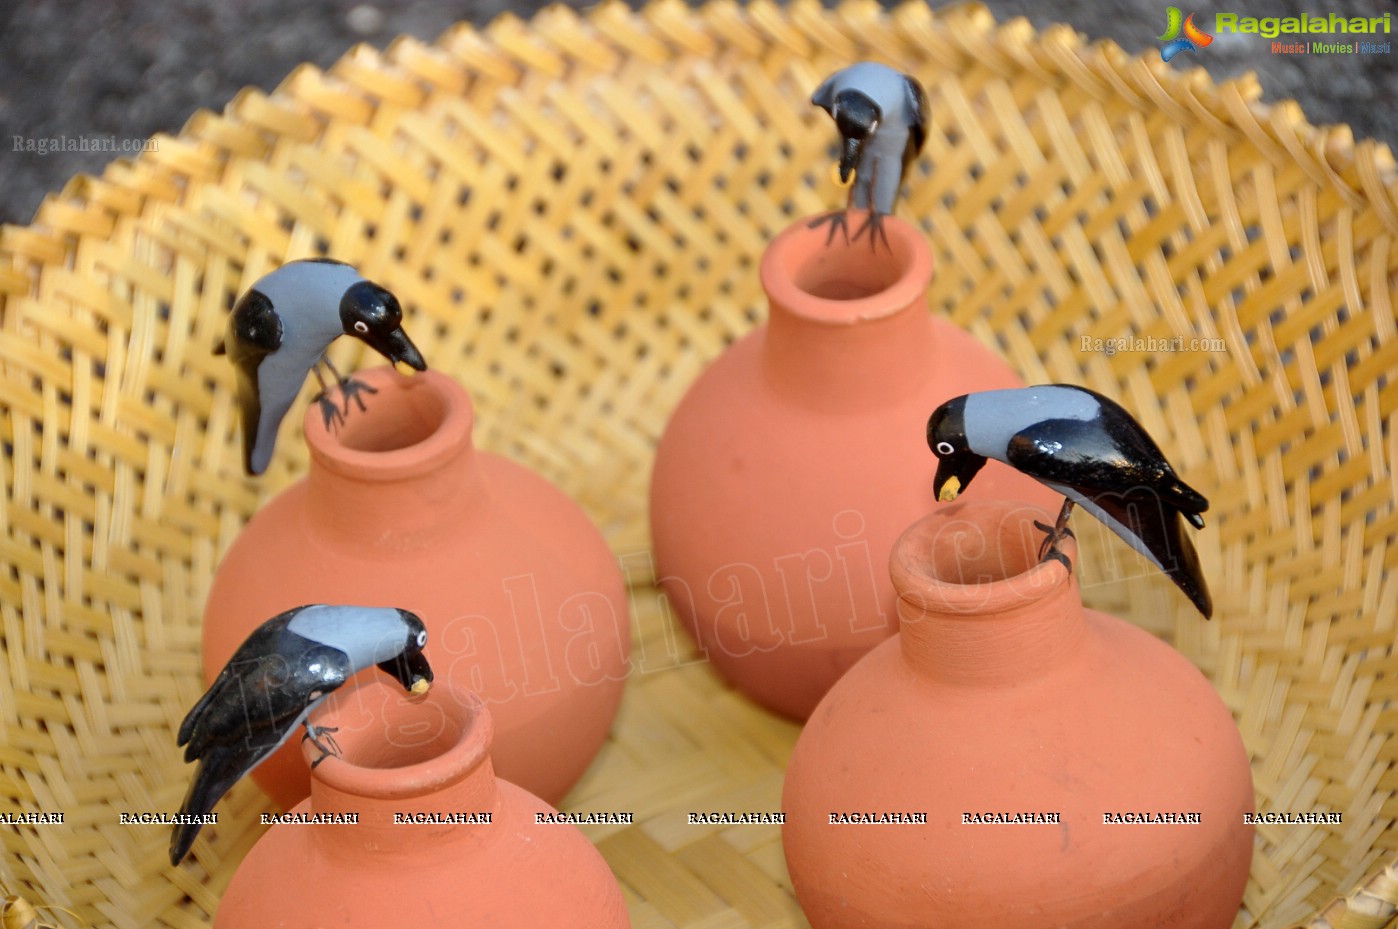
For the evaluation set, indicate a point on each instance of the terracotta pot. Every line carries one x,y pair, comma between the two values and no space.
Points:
791,465
523,601
431,758
1002,694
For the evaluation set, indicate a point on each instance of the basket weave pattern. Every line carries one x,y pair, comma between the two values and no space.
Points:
571,210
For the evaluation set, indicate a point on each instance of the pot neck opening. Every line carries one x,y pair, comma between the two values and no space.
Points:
848,322
406,765
399,471
975,603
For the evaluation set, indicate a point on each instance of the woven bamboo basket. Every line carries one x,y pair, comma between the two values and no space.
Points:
572,210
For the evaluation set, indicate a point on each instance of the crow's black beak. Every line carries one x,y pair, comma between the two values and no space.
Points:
849,157
411,670
954,474
396,346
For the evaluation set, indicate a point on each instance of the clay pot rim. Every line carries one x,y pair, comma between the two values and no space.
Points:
915,572
418,458
466,754
785,253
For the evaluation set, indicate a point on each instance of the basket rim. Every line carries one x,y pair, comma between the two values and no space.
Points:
1363,172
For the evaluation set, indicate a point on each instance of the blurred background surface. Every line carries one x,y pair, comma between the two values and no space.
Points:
121,70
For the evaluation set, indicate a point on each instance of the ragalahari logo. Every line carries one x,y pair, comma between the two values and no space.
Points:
1192,39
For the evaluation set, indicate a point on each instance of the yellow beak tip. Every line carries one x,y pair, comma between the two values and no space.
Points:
835,176
402,367
950,490
421,686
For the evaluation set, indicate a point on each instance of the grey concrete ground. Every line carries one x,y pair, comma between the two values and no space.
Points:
121,70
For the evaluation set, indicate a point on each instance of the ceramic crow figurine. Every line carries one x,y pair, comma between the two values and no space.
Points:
276,677
882,118
281,328
1088,448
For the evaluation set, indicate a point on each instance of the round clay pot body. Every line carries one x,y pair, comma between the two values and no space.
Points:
1002,694
791,465
524,602
432,757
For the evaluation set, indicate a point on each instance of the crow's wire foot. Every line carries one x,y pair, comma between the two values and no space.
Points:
328,748
330,414
1054,534
838,220
352,389
1053,553
875,227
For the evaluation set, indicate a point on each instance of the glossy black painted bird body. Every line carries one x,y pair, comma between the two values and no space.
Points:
1088,448
279,674
279,330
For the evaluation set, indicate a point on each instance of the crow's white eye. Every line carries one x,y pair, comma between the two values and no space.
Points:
944,448
361,326
422,638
